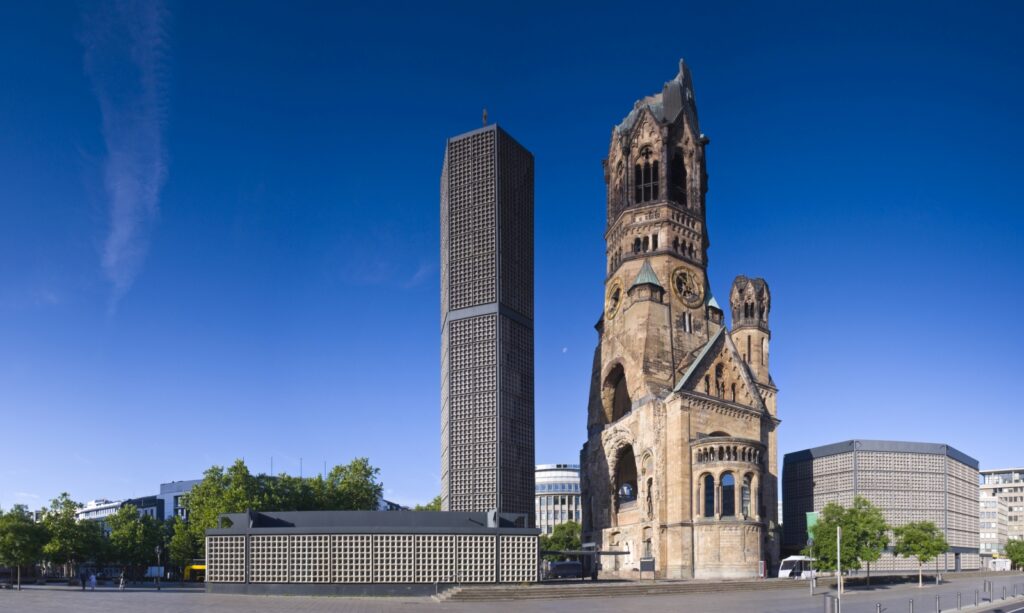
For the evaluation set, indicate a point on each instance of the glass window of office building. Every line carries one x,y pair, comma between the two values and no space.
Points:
557,499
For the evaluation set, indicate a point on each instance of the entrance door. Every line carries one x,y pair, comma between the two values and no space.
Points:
956,561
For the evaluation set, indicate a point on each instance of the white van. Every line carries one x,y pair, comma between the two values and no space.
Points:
796,567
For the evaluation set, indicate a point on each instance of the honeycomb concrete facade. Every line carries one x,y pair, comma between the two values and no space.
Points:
487,437
908,482
323,552
680,463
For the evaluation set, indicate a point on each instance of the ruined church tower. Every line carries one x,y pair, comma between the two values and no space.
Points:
680,462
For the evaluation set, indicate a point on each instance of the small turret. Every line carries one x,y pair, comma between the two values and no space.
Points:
646,286
751,302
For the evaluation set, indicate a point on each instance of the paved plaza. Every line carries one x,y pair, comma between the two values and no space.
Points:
177,600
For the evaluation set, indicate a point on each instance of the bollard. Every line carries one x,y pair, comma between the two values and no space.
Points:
911,605
959,603
878,607
829,604
1004,592
937,608
975,597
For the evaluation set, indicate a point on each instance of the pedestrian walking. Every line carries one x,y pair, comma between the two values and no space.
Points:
82,578
92,582
120,582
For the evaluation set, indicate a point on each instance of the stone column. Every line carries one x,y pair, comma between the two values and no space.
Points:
755,497
718,498
737,495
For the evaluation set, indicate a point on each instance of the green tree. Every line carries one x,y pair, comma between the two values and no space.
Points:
347,487
921,540
183,546
823,547
433,505
133,537
67,539
354,487
564,537
21,539
1015,552
865,536
865,529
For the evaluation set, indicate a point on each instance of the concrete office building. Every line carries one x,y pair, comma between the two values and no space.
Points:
98,510
1008,485
487,443
558,495
992,525
173,495
484,533
366,552
907,481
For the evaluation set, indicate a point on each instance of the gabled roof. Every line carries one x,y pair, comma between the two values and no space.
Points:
700,358
745,374
713,303
646,275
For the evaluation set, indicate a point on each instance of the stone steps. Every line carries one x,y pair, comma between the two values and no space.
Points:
607,590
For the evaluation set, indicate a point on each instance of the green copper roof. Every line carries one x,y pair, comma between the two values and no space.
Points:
647,276
713,303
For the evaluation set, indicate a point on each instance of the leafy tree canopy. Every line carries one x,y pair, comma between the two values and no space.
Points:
865,535
922,540
433,505
564,537
348,487
133,537
823,549
1015,552
66,538
21,539
183,546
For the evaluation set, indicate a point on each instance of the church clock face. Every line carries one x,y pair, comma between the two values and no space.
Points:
613,300
687,288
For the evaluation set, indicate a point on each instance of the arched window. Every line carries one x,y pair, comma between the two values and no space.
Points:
620,173
625,477
616,394
636,245
745,497
733,392
638,183
719,381
675,244
677,176
709,496
646,178
646,244
707,384
728,495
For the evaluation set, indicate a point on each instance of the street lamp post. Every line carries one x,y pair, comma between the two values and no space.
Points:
158,550
839,565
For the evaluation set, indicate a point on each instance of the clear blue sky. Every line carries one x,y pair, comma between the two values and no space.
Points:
219,224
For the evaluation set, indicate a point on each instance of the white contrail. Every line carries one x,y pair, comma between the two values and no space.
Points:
125,50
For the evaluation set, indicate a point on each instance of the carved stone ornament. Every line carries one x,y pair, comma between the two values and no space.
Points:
687,288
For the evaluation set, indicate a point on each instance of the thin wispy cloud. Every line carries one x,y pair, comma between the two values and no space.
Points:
125,53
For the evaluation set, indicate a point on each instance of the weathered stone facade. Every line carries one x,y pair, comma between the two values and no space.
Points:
680,462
